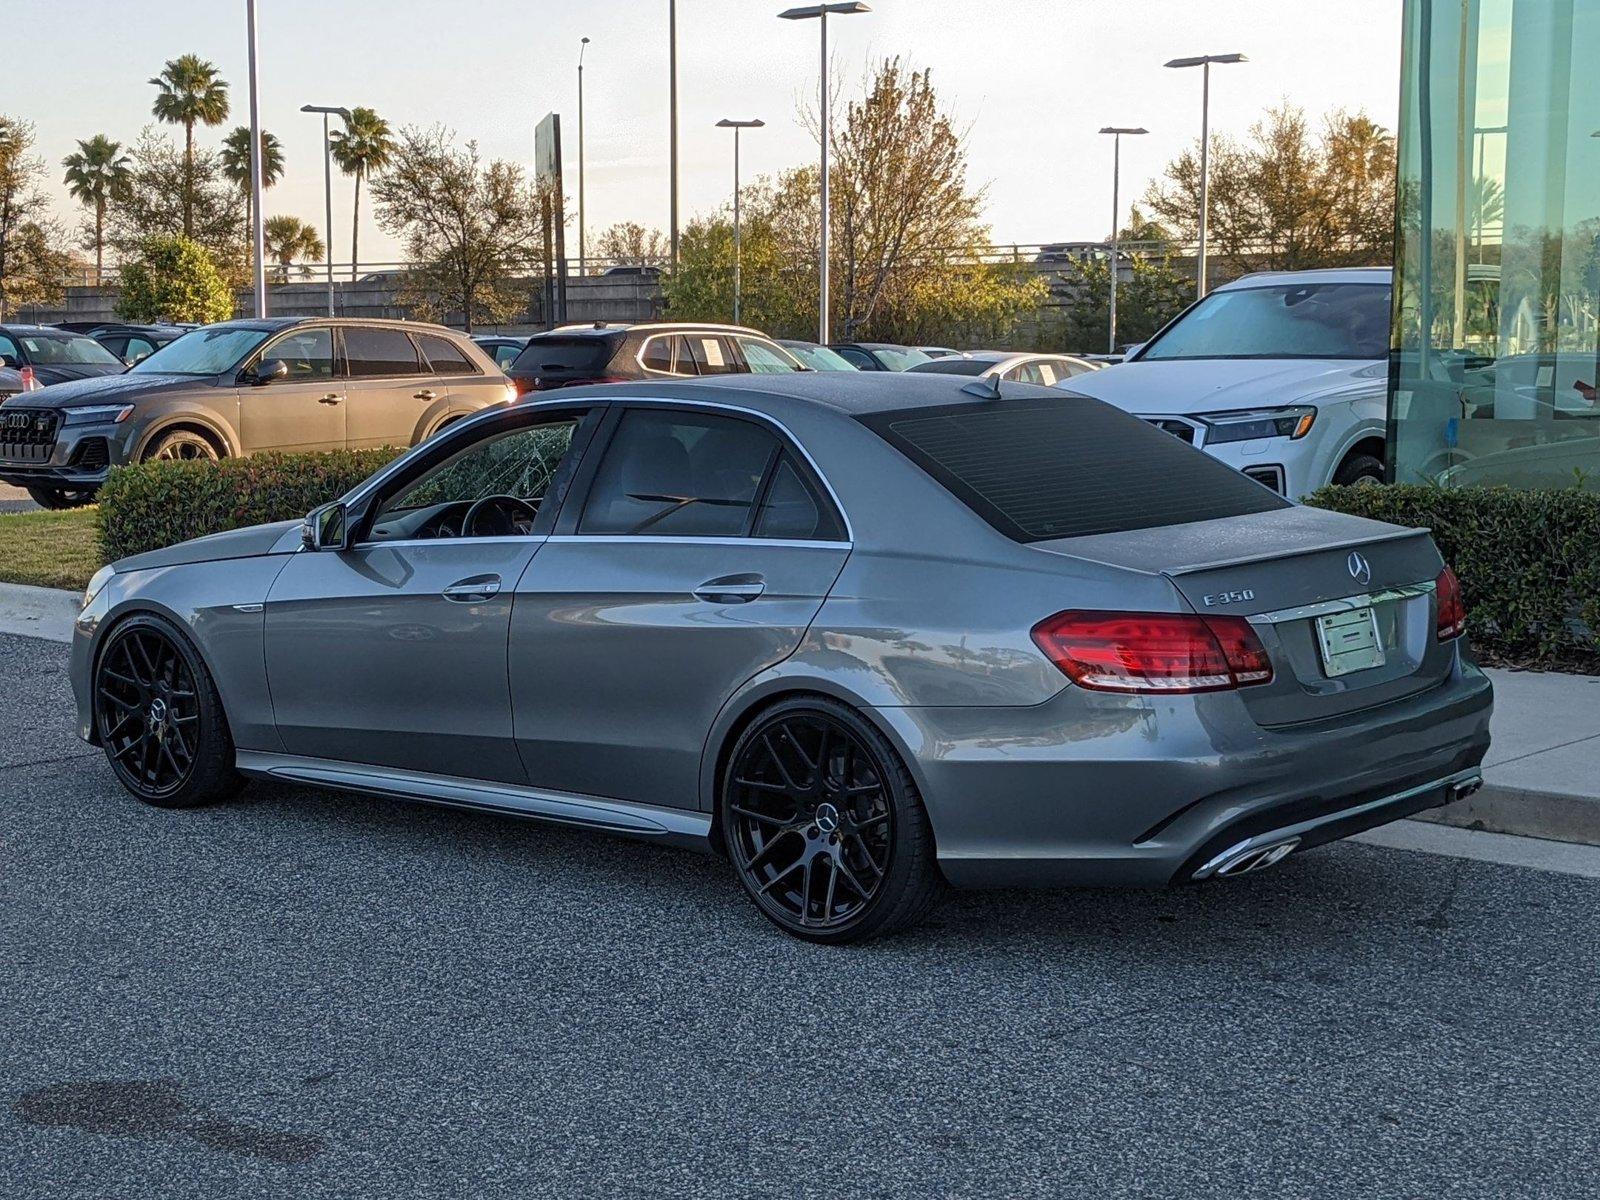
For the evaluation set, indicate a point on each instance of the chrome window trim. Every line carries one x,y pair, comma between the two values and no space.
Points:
697,540
638,358
1342,604
793,442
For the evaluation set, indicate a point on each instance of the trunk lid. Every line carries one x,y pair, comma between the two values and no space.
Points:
1344,606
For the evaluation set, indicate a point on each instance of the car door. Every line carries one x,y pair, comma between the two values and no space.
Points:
702,552
460,386
388,386
303,410
393,652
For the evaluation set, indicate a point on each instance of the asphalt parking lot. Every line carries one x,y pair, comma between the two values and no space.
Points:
307,994
15,499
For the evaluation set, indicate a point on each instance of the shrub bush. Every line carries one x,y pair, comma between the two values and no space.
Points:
1529,563
156,504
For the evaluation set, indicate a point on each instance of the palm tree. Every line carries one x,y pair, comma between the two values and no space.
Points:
363,147
236,170
191,92
289,238
97,174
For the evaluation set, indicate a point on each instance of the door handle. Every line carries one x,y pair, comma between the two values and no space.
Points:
731,589
479,587
330,398
426,394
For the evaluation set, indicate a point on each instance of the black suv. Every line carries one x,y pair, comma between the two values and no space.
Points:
55,355
285,383
603,353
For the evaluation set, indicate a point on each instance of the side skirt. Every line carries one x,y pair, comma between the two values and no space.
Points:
677,827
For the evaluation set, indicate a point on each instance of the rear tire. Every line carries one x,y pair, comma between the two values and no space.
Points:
1359,469
159,718
60,498
824,825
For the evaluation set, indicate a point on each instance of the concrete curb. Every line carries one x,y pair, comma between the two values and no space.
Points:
38,612
1523,811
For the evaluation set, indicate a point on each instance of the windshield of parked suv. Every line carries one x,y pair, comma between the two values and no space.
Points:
202,352
1307,320
54,349
819,358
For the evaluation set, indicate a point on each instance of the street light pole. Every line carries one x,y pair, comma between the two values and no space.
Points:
820,12
327,180
672,87
257,227
583,244
1116,211
1204,62
736,126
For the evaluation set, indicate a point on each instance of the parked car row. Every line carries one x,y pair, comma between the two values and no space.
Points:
290,383
1282,376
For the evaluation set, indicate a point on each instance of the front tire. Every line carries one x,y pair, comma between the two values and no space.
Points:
60,498
1359,469
182,445
159,718
824,826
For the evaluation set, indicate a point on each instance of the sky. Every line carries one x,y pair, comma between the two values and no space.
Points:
1031,80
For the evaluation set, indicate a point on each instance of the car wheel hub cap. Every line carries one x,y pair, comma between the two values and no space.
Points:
827,818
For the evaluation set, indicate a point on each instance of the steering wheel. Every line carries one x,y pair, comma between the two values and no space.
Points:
498,512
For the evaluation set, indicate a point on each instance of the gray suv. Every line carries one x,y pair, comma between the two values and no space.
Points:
288,383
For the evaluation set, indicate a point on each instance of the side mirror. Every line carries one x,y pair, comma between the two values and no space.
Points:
325,528
268,370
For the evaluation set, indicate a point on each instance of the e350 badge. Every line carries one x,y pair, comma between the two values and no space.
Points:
1238,597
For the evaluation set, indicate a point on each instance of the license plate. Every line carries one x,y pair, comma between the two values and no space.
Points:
1349,641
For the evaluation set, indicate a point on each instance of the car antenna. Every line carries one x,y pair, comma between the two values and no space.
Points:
986,387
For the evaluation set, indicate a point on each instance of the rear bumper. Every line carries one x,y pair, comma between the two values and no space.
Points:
1092,789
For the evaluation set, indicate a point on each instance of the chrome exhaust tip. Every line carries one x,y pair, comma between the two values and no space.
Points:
1465,788
1258,858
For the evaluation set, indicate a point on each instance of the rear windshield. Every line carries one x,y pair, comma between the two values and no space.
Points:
574,354
1054,468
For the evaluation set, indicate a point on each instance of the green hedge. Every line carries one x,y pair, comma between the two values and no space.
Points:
157,504
1529,563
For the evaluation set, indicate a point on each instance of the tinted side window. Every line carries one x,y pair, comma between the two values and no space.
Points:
657,355
373,353
712,354
309,353
8,347
138,349
860,359
793,509
504,356
444,356
688,474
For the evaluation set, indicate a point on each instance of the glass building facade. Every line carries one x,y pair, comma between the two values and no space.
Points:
1495,375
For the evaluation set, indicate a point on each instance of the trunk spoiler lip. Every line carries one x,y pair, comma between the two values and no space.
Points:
1399,534
1396,534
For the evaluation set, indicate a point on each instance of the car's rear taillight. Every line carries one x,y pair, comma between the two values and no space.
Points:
524,385
1452,619
1153,652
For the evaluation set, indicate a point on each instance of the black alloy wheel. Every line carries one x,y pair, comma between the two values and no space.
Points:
182,445
159,719
824,825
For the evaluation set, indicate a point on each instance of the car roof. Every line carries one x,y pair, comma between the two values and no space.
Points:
853,393
275,323
1373,275
601,328
42,331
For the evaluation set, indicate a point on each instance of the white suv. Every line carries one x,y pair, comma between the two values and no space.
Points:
1281,375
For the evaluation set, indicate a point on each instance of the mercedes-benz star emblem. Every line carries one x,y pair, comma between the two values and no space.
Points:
827,818
1360,568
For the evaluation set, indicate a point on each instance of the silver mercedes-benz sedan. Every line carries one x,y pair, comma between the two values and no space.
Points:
866,635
